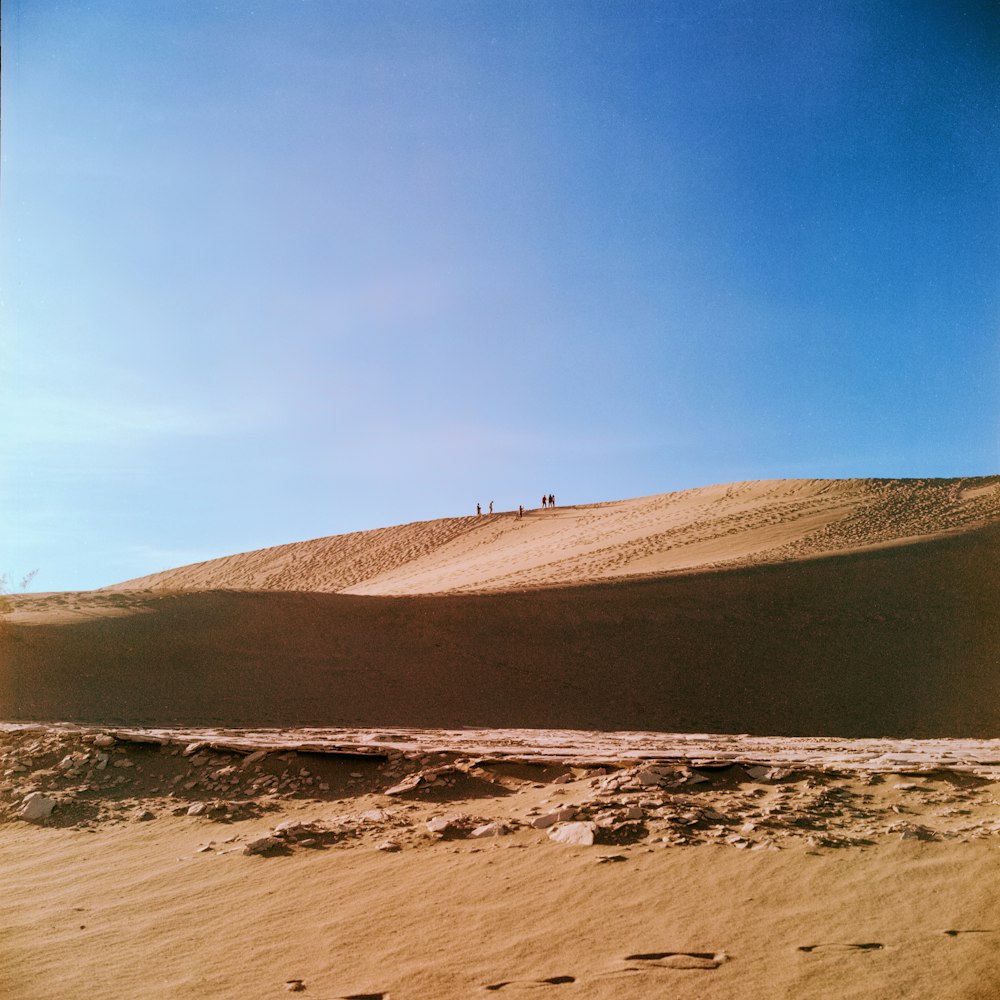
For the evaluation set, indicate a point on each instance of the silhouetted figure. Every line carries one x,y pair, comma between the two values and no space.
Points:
491,506
479,510
545,500
520,510
552,500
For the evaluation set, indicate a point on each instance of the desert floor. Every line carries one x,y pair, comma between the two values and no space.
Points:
187,869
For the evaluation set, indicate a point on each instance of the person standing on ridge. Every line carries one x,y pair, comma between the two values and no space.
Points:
545,500
552,500
491,506
479,510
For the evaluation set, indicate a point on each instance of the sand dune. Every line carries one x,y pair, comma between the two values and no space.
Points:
736,524
901,640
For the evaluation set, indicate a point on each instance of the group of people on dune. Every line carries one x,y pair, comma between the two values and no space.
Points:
548,500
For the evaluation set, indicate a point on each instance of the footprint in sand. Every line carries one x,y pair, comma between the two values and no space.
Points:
869,946
649,960
678,959
550,981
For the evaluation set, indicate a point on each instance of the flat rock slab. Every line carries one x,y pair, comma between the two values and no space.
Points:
582,747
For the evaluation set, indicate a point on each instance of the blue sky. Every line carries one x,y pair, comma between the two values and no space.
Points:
283,269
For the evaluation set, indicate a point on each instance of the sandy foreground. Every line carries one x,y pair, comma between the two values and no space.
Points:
582,865
475,757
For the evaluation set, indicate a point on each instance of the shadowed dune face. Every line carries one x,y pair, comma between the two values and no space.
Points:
897,641
732,525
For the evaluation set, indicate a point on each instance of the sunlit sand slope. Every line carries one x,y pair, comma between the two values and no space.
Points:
737,524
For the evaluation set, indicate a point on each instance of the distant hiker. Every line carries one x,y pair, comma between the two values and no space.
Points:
545,500
520,510
479,510
491,506
552,500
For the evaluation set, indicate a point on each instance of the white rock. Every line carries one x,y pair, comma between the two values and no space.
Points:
196,809
388,846
489,830
577,834
37,806
439,824
104,740
550,819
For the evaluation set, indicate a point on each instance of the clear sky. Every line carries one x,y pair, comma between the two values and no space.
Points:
278,269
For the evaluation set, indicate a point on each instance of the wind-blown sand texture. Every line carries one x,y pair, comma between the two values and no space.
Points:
735,524
407,855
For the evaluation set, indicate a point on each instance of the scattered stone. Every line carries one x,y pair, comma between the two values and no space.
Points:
439,824
489,830
261,845
651,776
576,834
693,778
389,846
757,772
406,785
36,806
104,740
196,809
295,985
550,819
144,815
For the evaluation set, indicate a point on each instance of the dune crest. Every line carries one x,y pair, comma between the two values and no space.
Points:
727,525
